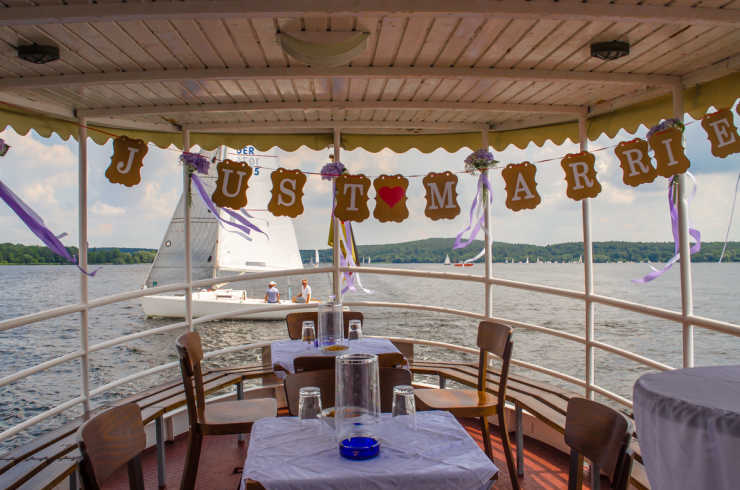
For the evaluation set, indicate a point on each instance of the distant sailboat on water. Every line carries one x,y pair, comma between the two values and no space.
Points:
447,260
316,259
218,251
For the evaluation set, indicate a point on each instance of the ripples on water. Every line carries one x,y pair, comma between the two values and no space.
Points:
28,289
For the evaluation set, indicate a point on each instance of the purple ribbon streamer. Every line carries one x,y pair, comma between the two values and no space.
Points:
482,183
34,223
673,210
242,224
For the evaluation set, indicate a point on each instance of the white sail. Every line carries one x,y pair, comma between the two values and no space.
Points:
447,259
316,258
169,264
216,250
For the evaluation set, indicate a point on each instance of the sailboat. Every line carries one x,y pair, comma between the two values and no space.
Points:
217,250
316,258
447,260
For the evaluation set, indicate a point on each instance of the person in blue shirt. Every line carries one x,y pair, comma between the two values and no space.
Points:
272,295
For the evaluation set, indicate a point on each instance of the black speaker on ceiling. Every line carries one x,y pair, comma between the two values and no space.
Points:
610,50
38,53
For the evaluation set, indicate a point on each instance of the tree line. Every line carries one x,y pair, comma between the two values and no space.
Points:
13,253
433,250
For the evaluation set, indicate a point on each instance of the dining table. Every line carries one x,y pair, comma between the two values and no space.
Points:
688,427
284,352
286,453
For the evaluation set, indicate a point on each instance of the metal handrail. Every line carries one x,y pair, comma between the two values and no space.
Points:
716,325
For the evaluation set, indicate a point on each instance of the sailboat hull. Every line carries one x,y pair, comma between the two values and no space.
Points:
214,302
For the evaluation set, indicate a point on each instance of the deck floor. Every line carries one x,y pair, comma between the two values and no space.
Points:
222,458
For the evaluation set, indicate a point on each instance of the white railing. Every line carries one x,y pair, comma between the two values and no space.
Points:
701,322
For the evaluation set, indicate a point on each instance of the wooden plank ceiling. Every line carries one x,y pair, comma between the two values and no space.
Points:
418,73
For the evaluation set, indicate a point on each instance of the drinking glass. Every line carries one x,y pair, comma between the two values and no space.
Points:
404,406
357,399
331,326
308,332
355,330
309,403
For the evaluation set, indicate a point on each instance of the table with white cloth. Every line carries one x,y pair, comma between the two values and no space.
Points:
288,454
688,425
284,352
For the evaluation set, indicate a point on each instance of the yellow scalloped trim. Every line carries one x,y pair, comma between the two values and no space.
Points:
720,93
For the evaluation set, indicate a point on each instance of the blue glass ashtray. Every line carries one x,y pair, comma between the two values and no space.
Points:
359,448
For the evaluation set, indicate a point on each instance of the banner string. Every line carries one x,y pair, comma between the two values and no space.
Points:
547,160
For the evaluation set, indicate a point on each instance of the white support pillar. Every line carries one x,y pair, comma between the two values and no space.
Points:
337,228
687,296
187,238
588,265
488,235
82,244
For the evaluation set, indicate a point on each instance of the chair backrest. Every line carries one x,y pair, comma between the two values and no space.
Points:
494,338
313,363
390,378
108,441
190,351
323,379
602,435
294,322
391,360
352,315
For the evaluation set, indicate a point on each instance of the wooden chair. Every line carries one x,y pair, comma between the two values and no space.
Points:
323,379
389,379
229,417
391,360
602,435
493,338
107,442
312,363
294,322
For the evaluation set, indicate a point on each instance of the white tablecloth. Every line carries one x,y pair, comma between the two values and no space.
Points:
285,351
283,454
688,425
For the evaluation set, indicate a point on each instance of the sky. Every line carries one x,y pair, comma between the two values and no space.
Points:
43,172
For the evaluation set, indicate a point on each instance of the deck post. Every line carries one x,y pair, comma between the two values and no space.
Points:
186,221
588,270
82,245
336,276
687,295
488,235
161,459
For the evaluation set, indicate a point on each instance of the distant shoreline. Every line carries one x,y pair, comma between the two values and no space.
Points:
428,251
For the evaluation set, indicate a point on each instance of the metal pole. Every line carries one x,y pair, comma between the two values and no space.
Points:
687,296
588,270
188,261
82,244
337,229
488,235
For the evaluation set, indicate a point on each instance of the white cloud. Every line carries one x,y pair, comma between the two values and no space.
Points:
103,209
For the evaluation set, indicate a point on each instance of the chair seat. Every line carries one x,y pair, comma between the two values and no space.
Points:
235,416
461,403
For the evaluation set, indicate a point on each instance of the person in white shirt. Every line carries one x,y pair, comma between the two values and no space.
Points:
305,294
272,295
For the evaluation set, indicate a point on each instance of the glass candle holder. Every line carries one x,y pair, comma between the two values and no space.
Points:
331,326
357,402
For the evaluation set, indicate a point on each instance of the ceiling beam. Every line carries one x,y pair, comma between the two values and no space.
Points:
330,106
535,9
271,127
299,72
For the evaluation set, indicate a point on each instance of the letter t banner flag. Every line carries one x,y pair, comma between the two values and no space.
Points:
351,197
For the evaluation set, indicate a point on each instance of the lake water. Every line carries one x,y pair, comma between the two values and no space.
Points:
27,289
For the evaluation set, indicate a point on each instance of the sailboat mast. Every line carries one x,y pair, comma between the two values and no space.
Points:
221,156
